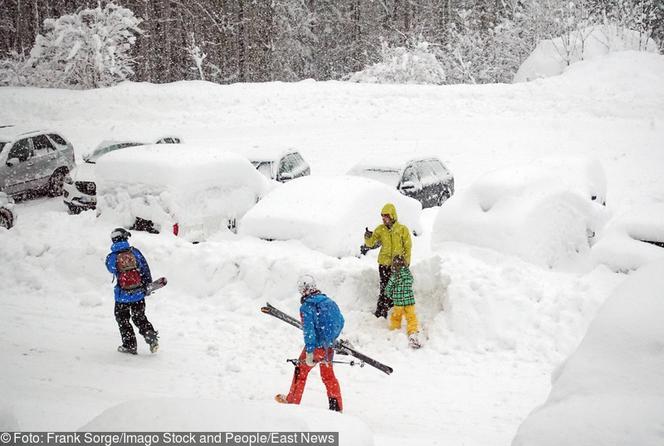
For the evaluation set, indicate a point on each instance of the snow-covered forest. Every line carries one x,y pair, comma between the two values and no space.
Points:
90,43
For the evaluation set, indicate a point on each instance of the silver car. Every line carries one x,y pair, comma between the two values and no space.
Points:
34,160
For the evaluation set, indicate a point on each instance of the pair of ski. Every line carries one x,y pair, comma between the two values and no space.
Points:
340,346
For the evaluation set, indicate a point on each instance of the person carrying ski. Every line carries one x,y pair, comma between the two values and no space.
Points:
399,290
322,323
132,275
394,240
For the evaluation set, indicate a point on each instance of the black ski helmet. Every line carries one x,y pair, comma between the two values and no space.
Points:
120,234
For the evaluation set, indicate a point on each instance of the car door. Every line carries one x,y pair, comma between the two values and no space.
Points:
410,184
44,158
17,172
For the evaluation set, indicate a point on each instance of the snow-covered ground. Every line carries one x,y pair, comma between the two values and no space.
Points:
494,326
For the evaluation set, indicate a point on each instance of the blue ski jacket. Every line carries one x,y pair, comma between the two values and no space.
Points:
322,321
121,295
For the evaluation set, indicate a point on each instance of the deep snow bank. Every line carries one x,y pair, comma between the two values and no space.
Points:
196,415
552,56
611,390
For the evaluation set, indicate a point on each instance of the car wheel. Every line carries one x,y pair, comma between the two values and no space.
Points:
6,218
56,183
74,210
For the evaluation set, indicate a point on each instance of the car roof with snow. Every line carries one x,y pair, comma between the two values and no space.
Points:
12,132
327,214
384,162
260,152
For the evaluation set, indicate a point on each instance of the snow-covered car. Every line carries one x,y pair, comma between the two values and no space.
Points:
546,212
327,214
425,179
33,160
632,239
194,191
80,189
276,163
6,211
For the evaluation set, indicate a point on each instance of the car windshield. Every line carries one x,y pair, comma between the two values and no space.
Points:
384,175
264,167
94,156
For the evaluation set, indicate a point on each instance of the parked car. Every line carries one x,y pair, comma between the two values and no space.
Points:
276,163
33,160
632,239
189,190
327,214
425,179
6,211
80,190
546,212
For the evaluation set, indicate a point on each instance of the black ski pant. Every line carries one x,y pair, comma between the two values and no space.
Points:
384,302
135,311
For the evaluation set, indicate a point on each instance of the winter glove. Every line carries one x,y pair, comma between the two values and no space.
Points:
364,249
310,359
367,233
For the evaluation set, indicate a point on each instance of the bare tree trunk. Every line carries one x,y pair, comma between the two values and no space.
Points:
241,49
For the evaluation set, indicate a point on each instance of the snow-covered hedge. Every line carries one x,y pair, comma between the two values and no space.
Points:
403,65
552,57
611,390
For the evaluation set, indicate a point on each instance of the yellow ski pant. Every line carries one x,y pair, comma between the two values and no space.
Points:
398,314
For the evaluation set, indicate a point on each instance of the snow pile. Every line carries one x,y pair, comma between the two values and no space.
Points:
328,214
552,57
544,211
200,188
611,390
626,243
200,415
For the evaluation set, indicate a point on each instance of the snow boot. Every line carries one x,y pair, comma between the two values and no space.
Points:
152,339
131,351
281,398
334,404
413,342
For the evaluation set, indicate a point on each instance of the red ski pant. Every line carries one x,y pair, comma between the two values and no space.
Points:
324,358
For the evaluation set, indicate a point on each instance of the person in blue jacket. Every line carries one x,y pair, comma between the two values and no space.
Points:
132,275
322,323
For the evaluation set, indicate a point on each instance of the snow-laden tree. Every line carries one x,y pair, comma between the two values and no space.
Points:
415,64
85,50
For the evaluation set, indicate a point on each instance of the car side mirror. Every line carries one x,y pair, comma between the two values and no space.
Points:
11,162
407,186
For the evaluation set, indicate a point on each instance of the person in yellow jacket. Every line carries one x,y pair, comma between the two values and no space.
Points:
394,239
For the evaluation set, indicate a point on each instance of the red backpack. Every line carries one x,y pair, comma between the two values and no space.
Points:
129,277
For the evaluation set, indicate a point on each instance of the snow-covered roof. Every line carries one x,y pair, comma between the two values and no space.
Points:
327,214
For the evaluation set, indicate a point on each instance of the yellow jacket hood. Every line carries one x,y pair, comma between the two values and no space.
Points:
390,210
